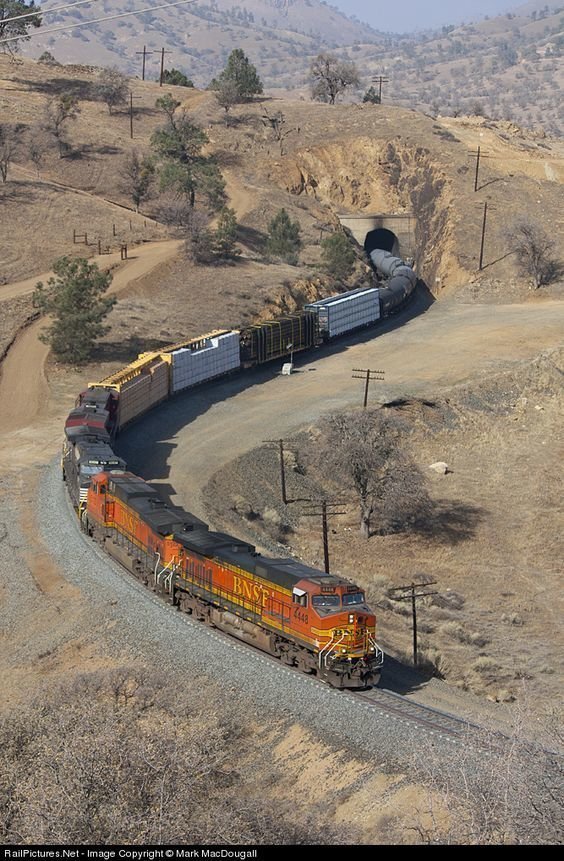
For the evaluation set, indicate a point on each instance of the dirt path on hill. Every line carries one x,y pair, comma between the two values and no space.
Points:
240,198
24,391
142,259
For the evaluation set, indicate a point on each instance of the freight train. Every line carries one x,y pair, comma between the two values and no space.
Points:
314,621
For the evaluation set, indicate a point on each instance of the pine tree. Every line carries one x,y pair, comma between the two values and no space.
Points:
184,170
138,176
226,235
242,73
338,256
284,238
74,298
371,97
10,28
176,78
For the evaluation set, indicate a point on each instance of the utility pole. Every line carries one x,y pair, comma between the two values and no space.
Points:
280,444
477,170
380,79
478,155
145,53
413,597
483,236
324,525
163,52
364,373
131,97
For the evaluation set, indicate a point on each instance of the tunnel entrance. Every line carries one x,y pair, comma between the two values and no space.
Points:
394,233
383,239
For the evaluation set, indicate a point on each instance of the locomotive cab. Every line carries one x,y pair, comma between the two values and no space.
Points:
83,459
345,629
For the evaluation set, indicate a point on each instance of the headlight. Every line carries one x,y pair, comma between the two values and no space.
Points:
351,618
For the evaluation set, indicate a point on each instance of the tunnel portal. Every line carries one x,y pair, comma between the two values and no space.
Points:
381,238
393,232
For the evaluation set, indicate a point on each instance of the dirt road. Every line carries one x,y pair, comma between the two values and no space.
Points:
24,391
142,259
185,444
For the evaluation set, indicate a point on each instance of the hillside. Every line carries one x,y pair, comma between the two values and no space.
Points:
278,34
125,722
508,67
336,159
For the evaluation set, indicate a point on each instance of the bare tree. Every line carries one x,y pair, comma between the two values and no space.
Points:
499,790
112,87
175,211
277,122
363,451
534,249
138,176
10,143
331,77
60,110
37,146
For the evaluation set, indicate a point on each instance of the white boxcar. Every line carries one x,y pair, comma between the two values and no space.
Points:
210,358
348,311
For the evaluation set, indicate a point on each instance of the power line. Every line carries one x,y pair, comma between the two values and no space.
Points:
95,21
42,12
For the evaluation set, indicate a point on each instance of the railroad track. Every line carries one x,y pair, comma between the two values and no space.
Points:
447,727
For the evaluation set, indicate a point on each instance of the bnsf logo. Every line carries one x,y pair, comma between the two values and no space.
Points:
250,591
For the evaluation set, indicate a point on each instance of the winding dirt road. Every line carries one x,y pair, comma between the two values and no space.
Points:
184,445
23,387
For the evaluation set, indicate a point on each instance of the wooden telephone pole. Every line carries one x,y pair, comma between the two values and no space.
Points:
478,155
163,52
280,444
411,596
365,374
131,97
145,53
380,79
483,236
321,509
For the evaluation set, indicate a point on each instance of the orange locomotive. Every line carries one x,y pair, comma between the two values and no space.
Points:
315,621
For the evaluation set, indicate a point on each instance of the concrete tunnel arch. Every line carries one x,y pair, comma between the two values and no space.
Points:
382,238
394,233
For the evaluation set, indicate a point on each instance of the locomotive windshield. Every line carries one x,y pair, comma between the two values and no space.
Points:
325,601
353,598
